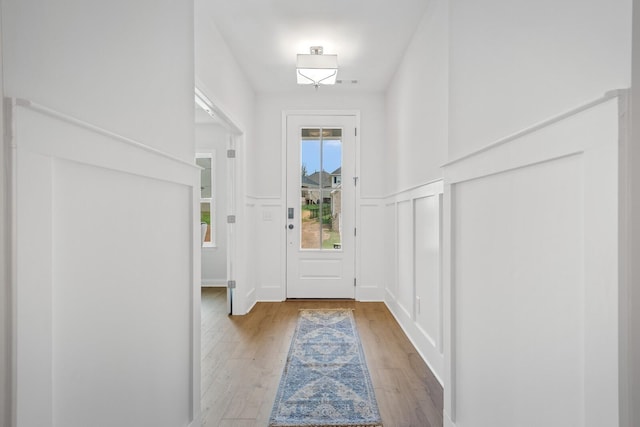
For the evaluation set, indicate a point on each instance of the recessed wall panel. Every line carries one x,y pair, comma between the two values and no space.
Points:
372,243
121,292
427,266
405,256
519,297
390,233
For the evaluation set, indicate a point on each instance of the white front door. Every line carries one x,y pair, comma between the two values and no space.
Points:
320,206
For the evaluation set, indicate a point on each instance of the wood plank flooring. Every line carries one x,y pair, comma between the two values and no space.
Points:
243,358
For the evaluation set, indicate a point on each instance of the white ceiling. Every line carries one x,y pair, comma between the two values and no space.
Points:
369,37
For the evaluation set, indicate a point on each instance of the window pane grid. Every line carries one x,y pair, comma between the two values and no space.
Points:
207,197
321,188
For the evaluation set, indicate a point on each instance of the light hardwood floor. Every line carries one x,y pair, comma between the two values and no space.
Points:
243,357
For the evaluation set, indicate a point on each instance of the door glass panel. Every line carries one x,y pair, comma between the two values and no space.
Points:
321,189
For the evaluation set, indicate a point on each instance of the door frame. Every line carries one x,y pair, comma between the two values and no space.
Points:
234,192
283,190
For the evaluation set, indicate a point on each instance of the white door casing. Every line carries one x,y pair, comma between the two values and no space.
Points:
320,206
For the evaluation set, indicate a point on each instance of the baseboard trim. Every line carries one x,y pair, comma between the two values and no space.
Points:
447,420
412,340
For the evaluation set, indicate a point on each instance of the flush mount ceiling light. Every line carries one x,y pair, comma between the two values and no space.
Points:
317,69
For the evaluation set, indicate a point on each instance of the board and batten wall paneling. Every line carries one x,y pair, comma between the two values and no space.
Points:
105,304
269,243
532,275
391,259
370,247
427,258
268,217
406,290
414,281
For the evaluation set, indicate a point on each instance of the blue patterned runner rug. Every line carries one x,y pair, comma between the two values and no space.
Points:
325,380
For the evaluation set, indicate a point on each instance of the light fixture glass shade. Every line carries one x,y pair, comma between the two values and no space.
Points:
317,69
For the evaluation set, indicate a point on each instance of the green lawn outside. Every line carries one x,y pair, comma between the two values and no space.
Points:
334,237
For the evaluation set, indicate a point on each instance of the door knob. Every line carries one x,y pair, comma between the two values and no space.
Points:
290,226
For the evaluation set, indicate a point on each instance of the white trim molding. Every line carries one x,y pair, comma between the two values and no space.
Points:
575,154
413,293
49,151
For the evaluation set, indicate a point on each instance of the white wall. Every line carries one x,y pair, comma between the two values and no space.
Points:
416,105
105,296
217,72
59,54
5,288
517,63
632,407
265,184
416,112
214,138
265,162
218,75
530,287
531,273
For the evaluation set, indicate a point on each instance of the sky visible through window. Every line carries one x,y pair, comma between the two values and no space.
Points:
332,155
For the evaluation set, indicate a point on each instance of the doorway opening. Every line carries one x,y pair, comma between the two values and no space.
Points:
216,139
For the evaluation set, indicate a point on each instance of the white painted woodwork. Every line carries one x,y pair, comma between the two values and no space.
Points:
531,274
314,273
96,293
119,115
265,189
405,253
371,265
427,244
416,117
88,257
391,250
414,281
630,247
269,274
213,138
222,81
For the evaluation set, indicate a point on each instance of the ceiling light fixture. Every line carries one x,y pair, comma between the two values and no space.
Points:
317,69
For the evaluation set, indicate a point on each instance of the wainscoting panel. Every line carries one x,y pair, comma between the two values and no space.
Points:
427,269
391,252
414,284
406,284
370,247
106,253
269,247
532,255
